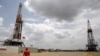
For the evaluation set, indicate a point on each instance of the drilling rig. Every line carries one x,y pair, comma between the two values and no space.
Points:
92,44
16,40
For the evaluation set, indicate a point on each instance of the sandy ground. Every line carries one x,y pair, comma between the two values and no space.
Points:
58,54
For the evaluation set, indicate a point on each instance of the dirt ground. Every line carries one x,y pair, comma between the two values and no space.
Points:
58,54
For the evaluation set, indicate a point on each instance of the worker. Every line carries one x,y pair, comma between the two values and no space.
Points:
26,52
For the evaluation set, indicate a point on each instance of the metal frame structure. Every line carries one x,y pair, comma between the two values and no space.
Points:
16,40
92,44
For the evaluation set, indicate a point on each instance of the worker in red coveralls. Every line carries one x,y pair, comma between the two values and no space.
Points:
26,52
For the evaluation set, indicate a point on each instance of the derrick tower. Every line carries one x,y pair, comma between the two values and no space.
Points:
91,42
16,39
18,25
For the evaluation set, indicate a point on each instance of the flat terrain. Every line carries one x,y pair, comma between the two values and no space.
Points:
58,54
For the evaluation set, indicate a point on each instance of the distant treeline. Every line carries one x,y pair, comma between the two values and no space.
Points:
58,50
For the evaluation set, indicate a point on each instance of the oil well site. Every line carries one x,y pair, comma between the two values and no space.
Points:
14,46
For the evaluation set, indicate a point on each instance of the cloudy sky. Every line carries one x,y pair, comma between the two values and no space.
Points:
58,24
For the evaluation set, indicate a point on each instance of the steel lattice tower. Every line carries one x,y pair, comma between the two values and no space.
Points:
16,40
18,25
91,42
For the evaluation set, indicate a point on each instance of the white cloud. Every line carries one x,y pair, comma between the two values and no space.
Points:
26,5
5,32
29,19
61,10
1,21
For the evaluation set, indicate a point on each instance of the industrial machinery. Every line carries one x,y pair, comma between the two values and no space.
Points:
16,40
92,44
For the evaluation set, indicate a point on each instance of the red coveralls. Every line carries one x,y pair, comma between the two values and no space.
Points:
26,52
